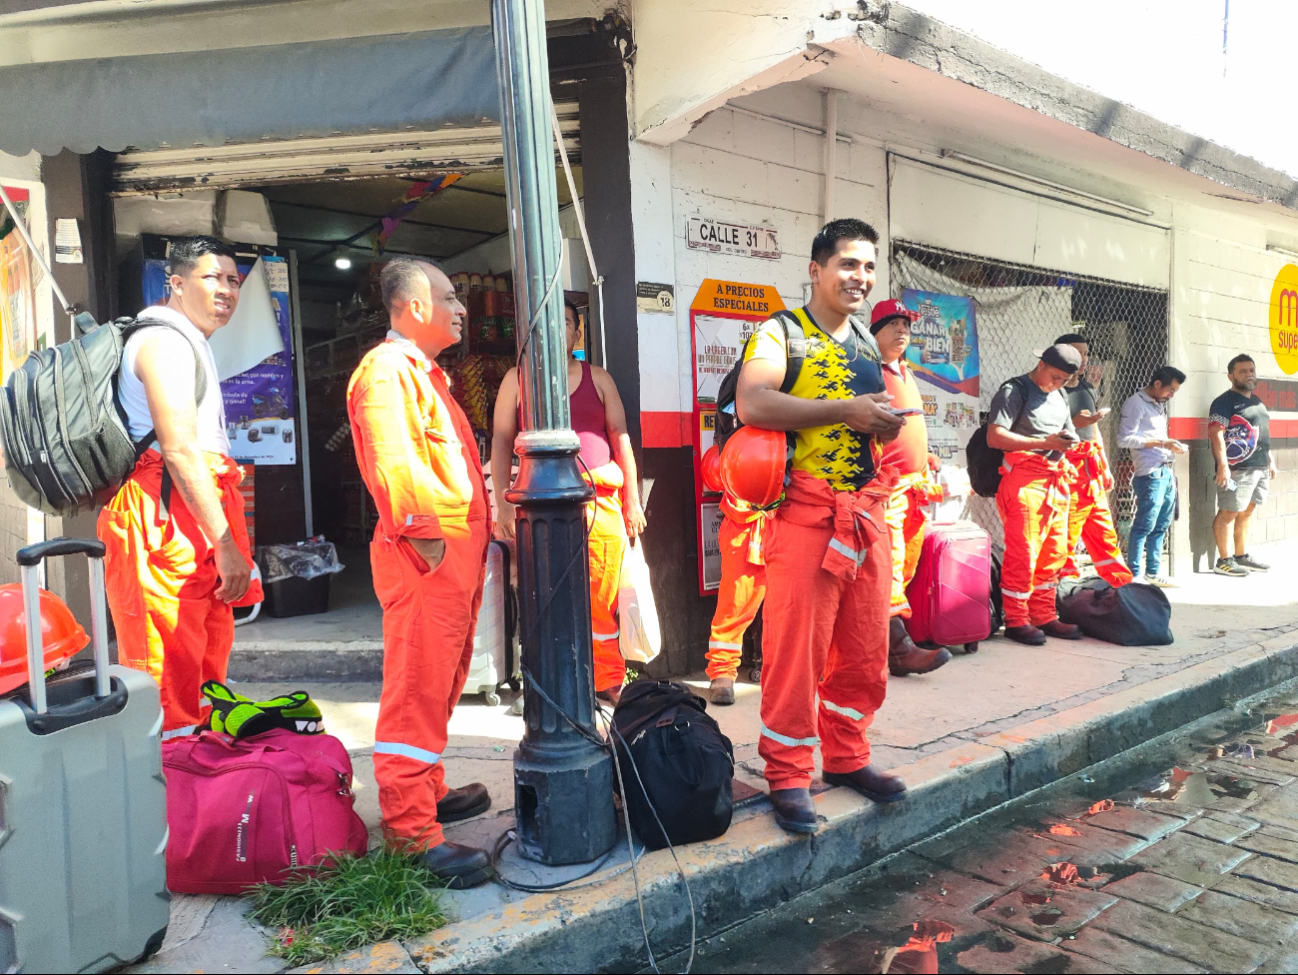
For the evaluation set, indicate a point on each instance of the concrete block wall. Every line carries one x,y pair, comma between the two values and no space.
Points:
1222,276
742,169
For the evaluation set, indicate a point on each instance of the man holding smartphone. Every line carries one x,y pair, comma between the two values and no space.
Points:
908,455
1030,421
1143,431
1089,518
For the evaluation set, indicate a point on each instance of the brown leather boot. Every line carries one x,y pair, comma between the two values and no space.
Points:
906,658
722,690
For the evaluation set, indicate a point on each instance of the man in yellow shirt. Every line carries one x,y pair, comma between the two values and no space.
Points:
828,552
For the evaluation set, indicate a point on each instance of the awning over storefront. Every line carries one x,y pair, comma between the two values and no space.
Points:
419,81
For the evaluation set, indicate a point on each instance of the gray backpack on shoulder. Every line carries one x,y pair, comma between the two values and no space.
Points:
66,444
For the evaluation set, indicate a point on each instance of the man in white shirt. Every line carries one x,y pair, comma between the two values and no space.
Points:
177,556
1143,431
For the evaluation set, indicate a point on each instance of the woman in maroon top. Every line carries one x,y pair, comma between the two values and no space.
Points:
608,465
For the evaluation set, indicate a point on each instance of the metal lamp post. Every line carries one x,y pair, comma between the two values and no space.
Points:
563,782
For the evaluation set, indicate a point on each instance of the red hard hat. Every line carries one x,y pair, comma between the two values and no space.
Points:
752,465
711,470
61,635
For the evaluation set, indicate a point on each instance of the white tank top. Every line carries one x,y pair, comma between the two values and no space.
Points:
130,391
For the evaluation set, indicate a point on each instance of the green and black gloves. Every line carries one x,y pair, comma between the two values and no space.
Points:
237,716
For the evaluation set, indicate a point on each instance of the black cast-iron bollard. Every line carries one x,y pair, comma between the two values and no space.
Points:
563,781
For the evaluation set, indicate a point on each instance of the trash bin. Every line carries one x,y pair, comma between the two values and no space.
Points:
296,577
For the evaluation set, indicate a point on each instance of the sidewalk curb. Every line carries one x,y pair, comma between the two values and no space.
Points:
308,660
757,866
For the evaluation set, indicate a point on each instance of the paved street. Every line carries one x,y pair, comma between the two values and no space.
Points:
1191,870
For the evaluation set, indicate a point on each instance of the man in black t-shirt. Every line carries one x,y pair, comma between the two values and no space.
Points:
1240,435
1031,422
1090,520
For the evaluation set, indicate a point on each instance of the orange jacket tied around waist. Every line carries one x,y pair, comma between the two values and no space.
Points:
1028,463
1089,464
857,516
743,513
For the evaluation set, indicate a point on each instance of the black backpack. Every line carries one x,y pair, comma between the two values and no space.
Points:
672,754
795,341
66,444
1134,615
983,460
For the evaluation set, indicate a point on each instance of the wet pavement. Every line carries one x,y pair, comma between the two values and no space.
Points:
1192,868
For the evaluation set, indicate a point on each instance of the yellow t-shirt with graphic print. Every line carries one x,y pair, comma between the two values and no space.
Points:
836,453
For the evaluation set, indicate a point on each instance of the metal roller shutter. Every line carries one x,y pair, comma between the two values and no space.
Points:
336,157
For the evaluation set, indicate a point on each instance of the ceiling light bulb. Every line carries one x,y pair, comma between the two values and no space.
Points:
343,263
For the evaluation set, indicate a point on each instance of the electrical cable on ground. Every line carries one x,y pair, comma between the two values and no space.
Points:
604,743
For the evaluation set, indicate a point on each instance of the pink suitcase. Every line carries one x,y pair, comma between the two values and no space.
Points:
950,596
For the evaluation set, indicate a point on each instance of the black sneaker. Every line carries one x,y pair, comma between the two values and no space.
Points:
1247,561
1227,567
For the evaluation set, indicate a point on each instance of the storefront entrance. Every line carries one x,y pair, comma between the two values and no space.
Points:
322,242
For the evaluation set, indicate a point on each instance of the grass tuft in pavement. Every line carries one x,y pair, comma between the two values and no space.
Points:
348,903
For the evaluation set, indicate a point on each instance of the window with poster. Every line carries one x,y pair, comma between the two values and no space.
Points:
17,305
723,315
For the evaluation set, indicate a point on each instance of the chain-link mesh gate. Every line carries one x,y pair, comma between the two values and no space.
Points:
1020,309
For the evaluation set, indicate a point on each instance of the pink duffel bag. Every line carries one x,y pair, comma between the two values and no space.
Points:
243,811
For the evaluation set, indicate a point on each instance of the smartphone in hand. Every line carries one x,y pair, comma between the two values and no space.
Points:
905,410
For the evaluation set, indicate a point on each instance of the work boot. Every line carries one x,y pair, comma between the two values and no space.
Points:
463,803
904,657
459,866
1026,634
1063,631
794,810
870,782
722,690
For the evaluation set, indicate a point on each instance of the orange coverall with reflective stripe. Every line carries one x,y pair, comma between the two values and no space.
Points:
1033,502
608,542
417,455
828,566
1089,517
908,522
160,573
743,584
908,455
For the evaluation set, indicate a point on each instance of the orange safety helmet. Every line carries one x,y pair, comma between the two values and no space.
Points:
753,463
61,635
711,470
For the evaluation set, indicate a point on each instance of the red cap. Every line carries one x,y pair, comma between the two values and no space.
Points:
892,308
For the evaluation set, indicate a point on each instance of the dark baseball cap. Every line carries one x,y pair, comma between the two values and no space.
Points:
1062,357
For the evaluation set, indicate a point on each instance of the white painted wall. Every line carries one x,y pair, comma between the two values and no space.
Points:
745,170
964,213
1222,276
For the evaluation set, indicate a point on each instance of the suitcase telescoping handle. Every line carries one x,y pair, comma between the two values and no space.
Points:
29,560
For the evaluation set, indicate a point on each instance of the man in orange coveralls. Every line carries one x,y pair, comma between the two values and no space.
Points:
740,594
1031,422
608,465
908,455
416,452
1089,517
828,552
176,546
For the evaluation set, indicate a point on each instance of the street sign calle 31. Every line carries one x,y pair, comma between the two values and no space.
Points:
744,240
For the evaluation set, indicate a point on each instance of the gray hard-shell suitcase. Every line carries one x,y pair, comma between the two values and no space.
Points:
83,810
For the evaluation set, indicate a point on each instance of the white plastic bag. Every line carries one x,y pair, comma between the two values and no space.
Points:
639,637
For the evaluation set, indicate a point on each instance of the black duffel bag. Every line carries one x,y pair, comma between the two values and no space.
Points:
685,764
1134,615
